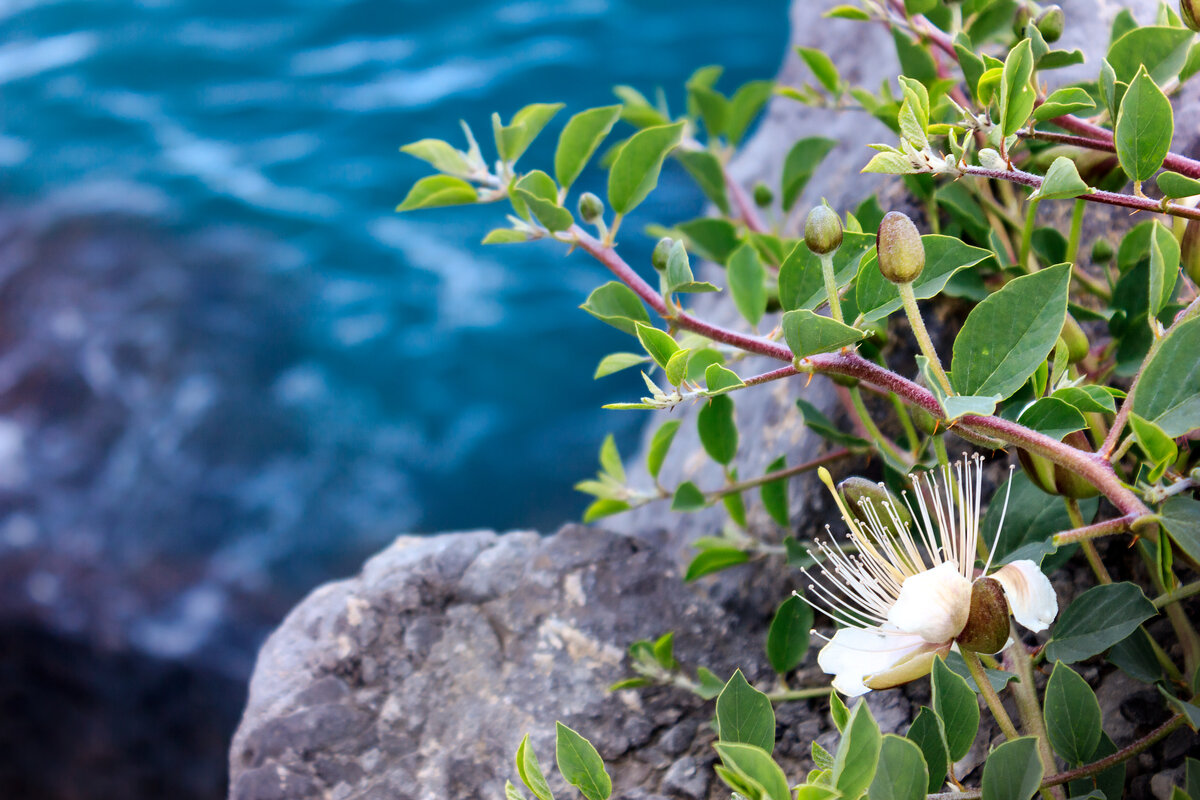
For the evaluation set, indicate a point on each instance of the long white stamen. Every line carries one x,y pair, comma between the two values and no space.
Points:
1000,527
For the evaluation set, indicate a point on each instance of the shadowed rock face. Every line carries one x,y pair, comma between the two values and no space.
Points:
418,678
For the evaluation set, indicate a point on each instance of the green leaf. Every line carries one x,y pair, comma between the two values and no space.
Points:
618,305
847,12
838,713
822,67
1008,335
677,366
713,560
960,405
1088,399
540,194
634,173
1161,51
928,734
747,283
1164,266
1159,448
530,772
1144,128
436,191
1016,94
902,773
688,497
1111,781
755,764
1190,711
1098,619
812,418
1062,181
513,139
1053,417
744,714
705,169
505,236
664,651
801,162
711,105
615,362
710,684
1063,101
1173,185
1168,393
857,755
701,360
660,443
944,257
998,678
957,707
744,106
1072,715
679,276
512,792
710,237
579,139
787,638
807,333
915,61
604,507
610,459
800,281
774,494
658,343
1181,517
718,431
717,379
580,764
1013,771
441,155
1135,656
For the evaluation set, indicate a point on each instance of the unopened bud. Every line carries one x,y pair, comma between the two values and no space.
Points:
662,251
864,498
1076,339
1054,479
901,254
591,208
1189,248
823,230
763,196
1189,11
986,630
1102,251
1021,19
1050,23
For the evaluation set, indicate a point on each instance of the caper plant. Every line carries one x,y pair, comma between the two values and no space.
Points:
1081,358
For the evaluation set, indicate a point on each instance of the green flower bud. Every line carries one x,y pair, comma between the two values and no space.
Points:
901,254
986,630
1050,23
823,230
763,196
1102,251
1189,248
861,494
1189,11
1053,479
662,251
591,208
1021,19
1076,339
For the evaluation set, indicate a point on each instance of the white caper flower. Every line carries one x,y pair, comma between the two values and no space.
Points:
906,597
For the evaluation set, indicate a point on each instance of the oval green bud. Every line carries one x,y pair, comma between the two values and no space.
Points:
986,630
1050,23
1076,339
763,196
1053,479
1021,19
823,230
901,254
1102,251
662,251
1189,248
1189,11
591,208
861,494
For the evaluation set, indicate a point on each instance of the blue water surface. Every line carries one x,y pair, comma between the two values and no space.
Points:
464,371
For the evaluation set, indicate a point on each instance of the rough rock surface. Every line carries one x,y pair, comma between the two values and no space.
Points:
418,678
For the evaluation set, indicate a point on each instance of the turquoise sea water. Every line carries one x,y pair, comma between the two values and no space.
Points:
440,384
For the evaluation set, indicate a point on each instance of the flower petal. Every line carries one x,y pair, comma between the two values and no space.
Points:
933,604
855,655
1029,593
912,667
